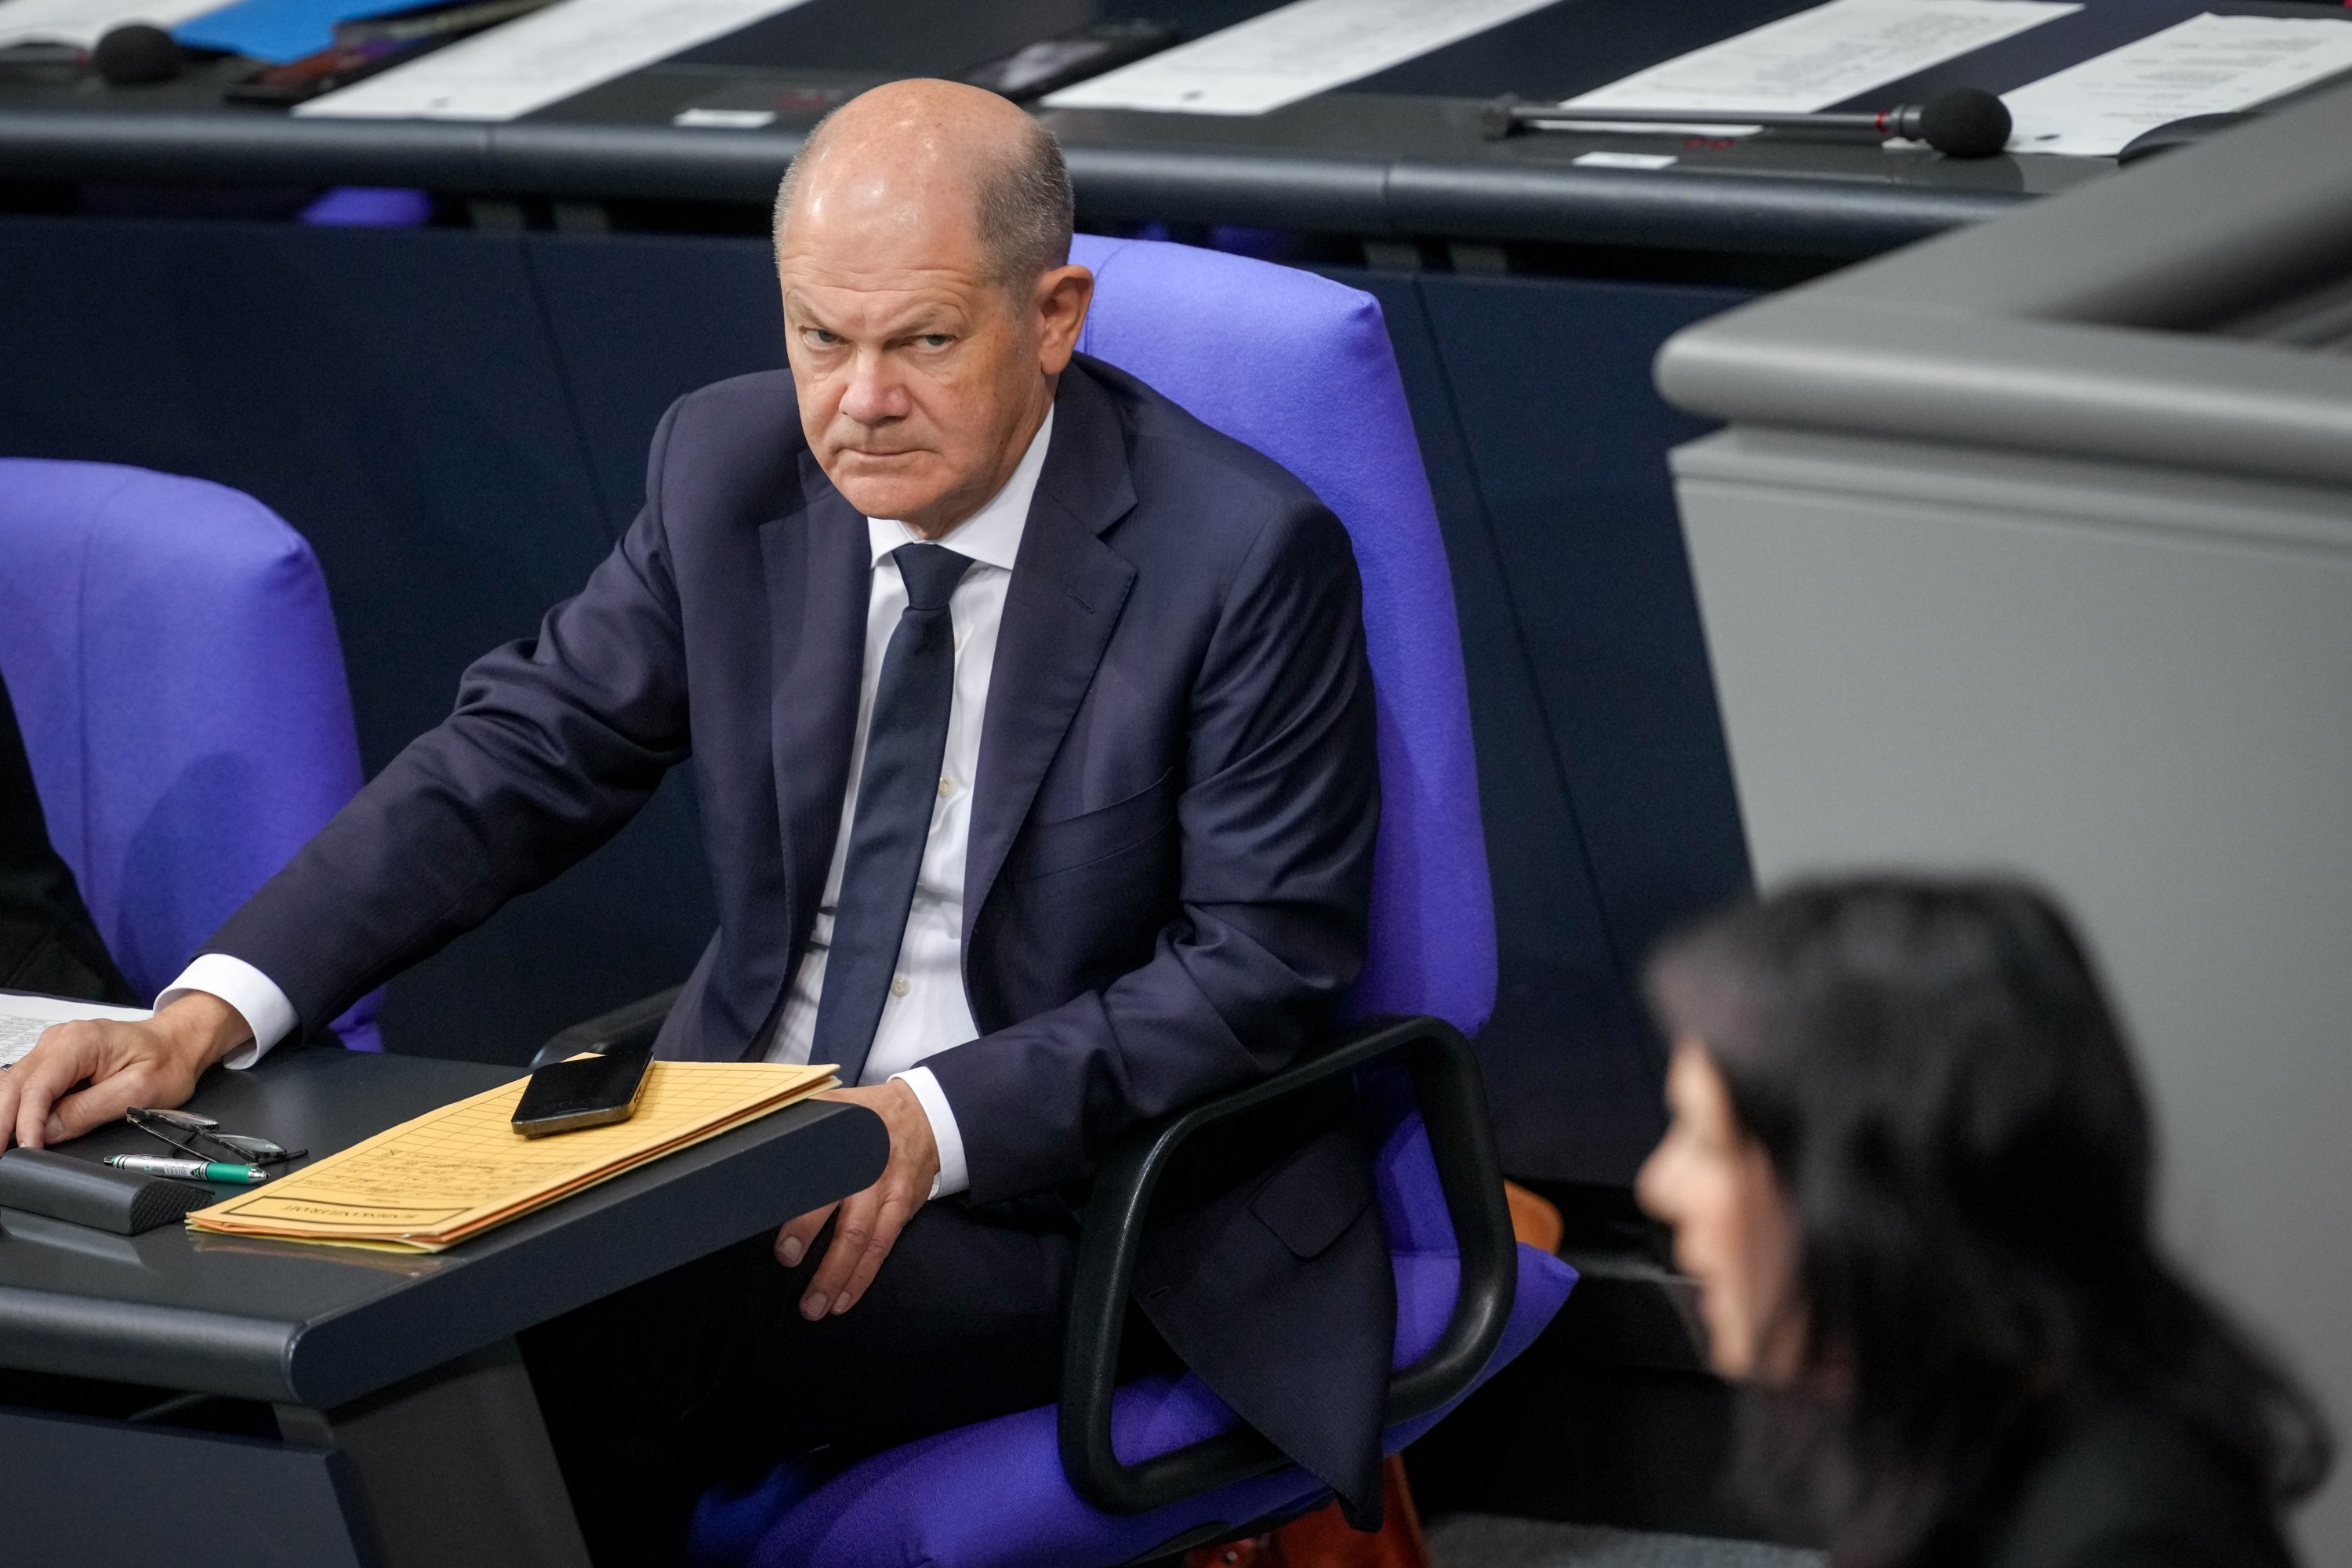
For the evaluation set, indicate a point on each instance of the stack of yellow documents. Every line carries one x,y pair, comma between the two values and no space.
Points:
455,1173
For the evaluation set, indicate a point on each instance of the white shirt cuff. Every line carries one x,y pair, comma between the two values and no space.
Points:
257,1001
953,1176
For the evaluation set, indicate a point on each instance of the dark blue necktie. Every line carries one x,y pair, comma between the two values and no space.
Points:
897,790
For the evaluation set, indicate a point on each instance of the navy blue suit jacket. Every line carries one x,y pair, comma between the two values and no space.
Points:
1170,845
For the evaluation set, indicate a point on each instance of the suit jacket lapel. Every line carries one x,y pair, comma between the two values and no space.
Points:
1064,598
820,576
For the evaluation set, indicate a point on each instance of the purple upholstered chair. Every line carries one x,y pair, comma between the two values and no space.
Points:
174,666
369,207
1300,368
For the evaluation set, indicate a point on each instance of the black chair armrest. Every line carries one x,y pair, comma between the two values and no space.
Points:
1452,1101
623,1028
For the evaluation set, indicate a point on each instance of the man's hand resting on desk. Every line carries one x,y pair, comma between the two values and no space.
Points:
871,1220
82,1074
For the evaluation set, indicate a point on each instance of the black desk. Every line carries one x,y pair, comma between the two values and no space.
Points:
402,1413
1397,154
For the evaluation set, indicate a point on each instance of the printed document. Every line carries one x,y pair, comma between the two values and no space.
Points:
1286,55
453,1173
2207,65
1826,56
81,22
23,1016
536,61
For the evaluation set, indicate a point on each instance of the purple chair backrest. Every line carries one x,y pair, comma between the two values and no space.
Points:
1301,368
172,659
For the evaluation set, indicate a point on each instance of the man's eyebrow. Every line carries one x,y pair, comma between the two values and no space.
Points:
919,321
805,310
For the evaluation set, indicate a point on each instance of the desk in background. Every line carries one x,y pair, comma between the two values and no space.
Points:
405,1432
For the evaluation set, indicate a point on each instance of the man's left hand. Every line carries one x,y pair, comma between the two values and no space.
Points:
870,1221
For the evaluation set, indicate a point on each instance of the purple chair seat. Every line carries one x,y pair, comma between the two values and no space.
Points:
993,1495
175,666
1300,368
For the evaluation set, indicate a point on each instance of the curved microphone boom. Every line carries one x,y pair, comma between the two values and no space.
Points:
1963,122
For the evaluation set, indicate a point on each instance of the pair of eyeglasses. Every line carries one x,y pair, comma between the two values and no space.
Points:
184,1129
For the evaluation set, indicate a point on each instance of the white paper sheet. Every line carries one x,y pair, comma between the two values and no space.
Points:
1282,56
535,60
724,118
1650,161
80,22
1821,57
23,1017
2207,65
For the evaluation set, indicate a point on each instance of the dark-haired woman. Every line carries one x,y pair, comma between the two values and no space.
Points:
1909,1166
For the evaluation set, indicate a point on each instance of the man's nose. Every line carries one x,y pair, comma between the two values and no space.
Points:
874,393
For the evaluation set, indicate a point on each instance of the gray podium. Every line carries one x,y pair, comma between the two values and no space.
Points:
400,1426
2031,547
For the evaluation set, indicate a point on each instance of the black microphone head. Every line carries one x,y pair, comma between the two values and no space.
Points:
136,54
1496,119
1964,122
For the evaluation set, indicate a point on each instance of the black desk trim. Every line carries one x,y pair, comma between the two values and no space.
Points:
1528,202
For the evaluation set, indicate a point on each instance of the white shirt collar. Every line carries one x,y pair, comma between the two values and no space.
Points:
991,535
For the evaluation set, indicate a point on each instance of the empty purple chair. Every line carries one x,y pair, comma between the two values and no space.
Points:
1300,368
176,669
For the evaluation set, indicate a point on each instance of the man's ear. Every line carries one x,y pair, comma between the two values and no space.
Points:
1061,301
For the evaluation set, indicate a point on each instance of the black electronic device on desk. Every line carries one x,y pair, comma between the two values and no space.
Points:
130,1194
1032,70
588,1091
367,48
79,1191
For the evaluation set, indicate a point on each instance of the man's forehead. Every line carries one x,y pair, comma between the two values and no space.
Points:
897,293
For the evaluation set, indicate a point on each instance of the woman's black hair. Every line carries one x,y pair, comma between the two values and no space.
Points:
1934,1070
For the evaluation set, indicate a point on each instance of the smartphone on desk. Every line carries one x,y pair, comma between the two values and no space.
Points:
372,43
337,65
1050,64
586,1092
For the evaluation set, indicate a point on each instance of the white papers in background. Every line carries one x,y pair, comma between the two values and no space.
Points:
1286,55
1624,160
24,1016
535,60
1817,58
724,118
2207,65
81,22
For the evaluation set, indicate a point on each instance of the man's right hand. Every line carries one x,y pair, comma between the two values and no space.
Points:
82,1074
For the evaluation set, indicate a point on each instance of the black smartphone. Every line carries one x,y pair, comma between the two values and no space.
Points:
586,1091
337,65
373,44
1050,64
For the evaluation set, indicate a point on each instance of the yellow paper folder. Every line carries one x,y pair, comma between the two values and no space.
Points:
455,1173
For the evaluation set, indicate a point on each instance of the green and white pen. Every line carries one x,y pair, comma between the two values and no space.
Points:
187,1170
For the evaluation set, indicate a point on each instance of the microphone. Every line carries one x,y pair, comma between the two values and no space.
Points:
1961,122
135,55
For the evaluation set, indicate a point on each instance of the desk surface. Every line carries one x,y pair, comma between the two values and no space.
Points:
1398,153
320,1326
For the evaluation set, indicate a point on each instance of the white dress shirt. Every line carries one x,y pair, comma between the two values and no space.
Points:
926,1012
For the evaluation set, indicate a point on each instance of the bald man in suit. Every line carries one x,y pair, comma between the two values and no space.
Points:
1032,732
